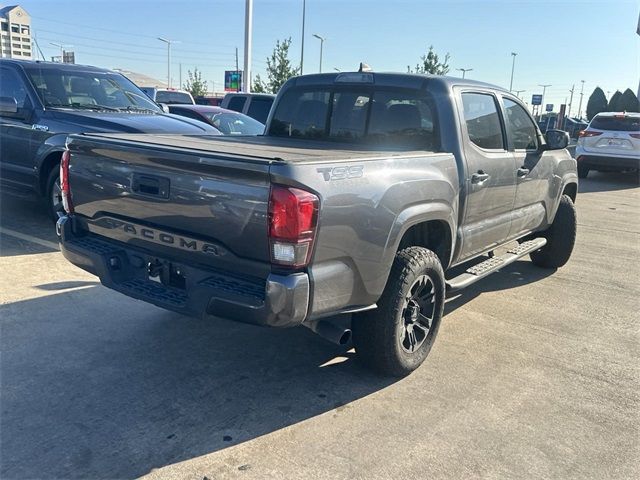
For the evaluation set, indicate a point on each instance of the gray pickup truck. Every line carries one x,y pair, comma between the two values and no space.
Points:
371,194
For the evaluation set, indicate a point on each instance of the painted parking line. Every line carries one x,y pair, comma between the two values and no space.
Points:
29,238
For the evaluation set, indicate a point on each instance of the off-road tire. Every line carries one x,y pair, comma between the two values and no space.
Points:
583,171
50,208
561,237
376,334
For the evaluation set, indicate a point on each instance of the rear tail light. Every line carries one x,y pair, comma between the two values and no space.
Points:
293,217
64,182
588,133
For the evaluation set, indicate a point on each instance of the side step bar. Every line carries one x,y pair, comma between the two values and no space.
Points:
491,265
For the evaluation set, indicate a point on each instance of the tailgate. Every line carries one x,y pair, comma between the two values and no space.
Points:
191,206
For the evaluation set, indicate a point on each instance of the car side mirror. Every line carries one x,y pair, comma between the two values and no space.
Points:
8,105
556,139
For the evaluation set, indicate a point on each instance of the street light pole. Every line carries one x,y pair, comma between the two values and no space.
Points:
168,42
304,13
513,66
322,39
544,89
518,92
580,104
464,70
248,27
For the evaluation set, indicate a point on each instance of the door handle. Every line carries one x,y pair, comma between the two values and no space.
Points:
523,172
479,177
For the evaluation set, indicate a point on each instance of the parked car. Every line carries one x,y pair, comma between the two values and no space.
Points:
41,102
254,105
168,96
227,121
611,143
364,193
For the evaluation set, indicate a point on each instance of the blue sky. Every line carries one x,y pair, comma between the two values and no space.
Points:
558,42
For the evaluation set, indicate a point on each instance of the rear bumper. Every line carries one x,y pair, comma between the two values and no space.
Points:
277,301
608,162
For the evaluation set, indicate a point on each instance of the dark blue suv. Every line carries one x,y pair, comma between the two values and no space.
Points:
41,103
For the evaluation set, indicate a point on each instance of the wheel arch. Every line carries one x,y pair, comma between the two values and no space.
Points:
429,225
51,161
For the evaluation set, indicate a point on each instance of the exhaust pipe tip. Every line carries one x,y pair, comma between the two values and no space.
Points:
330,331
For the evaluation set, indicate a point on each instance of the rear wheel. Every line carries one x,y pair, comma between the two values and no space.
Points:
396,338
561,237
53,194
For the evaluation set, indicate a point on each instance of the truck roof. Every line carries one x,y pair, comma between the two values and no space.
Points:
52,65
393,79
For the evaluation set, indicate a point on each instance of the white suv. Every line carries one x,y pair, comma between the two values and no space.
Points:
611,143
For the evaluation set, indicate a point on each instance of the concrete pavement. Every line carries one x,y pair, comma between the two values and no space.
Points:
535,374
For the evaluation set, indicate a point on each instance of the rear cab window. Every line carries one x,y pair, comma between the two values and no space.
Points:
615,123
259,108
237,103
173,97
381,117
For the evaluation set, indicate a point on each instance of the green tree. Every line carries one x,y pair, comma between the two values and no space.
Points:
431,64
629,102
195,85
614,102
597,103
279,69
258,85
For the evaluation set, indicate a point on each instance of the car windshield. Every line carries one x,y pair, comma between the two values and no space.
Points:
88,90
616,124
235,124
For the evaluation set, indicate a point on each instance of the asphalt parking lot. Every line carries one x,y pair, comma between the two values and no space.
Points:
535,374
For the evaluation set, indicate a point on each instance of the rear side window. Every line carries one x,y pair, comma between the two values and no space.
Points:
236,104
259,108
396,119
522,131
616,124
483,122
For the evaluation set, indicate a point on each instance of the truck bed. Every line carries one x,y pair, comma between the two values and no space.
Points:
256,149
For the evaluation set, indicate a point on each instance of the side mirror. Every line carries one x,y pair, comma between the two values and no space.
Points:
556,139
164,107
8,105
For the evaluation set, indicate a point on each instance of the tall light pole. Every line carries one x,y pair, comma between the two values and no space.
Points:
580,104
513,66
464,70
544,89
518,92
573,87
168,42
304,13
322,39
248,27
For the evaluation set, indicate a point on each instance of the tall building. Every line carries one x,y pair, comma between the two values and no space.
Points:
15,33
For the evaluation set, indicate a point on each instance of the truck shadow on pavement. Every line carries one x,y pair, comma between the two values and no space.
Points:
96,385
515,275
